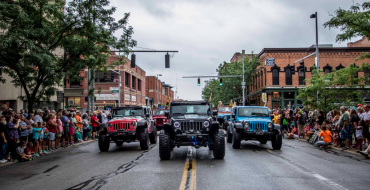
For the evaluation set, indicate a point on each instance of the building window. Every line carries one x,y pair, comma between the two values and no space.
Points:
302,77
126,79
339,67
367,76
288,77
71,102
138,84
101,76
133,82
261,79
275,77
327,69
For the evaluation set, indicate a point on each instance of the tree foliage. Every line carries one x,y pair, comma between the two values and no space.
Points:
231,87
43,42
337,88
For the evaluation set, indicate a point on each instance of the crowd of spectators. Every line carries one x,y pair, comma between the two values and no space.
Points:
347,128
25,135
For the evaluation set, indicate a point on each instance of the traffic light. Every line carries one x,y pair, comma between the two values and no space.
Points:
111,76
220,81
292,68
167,60
133,60
198,81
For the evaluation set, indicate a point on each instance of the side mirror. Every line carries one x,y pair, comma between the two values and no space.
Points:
215,113
167,114
147,115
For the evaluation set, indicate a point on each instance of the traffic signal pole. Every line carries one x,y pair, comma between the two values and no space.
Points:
243,83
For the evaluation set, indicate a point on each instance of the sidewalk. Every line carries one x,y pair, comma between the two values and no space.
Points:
50,152
351,150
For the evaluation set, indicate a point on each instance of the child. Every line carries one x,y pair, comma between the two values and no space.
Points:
359,133
326,134
36,138
293,134
20,151
29,149
43,137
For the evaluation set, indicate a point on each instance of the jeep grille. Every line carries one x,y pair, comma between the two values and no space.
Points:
118,126
195,126
255,126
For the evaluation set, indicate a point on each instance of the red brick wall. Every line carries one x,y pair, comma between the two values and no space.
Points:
364,42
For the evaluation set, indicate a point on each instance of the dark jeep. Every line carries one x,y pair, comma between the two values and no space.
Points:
129,124
191,124
252,123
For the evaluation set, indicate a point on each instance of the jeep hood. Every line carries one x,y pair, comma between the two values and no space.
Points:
131,118
190,117
254,119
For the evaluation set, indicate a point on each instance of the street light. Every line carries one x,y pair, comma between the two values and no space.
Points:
158,75
317,49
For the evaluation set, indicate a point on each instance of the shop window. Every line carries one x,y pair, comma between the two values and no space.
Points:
133,82
275,77
138,84
302,77
261,84
288,95
288,77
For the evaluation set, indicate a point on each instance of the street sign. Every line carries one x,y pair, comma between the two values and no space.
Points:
115,91
243,83
60,96
264,97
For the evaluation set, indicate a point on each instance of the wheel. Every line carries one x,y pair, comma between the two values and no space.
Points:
119,143
153,136
263,141
104,143
236,139
144,139
211,143
229,136
164,146
219,145
276,141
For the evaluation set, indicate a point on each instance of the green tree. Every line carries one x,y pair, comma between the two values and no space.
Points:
43,42
231,87
338,88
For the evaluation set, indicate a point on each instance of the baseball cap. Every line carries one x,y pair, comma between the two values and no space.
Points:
359,105
39,110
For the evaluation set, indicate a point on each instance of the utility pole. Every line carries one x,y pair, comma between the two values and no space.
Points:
119,81
317,50
243,83
88,90
93,86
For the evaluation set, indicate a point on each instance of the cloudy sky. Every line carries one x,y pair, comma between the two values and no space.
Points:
208,32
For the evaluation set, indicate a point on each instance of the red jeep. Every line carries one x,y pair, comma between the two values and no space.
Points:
129,124
159,118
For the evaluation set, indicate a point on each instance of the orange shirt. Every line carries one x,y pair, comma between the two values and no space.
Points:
326,135
78,118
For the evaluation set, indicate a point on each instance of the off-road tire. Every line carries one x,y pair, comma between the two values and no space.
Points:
276,141
119,143
164,145
144,139
264,141
153,135
229,136
219,144
104,143
237,138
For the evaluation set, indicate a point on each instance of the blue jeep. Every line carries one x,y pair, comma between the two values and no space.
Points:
252,123
224,114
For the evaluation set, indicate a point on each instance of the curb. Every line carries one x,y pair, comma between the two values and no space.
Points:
338,149
33,158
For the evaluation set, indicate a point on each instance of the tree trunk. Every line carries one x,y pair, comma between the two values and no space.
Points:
30,105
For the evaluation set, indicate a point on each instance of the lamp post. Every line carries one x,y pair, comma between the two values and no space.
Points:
243,83
158,75
317,49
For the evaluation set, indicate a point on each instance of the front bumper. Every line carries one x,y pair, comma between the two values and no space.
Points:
249,135
191,139
121,135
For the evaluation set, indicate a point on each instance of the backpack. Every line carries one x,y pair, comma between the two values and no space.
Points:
284,122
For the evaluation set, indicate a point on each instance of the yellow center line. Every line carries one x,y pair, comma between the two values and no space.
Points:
193,178
184,180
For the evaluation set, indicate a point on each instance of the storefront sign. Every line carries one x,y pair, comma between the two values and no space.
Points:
133,98
113,88
115,91
127,97
270,61
264,97
106,96
60,96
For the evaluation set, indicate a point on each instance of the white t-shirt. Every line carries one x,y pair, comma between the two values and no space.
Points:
104,118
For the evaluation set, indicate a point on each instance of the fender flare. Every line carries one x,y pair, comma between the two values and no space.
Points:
276,127
238,126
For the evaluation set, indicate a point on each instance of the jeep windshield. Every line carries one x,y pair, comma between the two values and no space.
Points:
253,112
190,109
158,112
128,112
224,109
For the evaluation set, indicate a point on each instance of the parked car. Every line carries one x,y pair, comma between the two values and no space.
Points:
159,118
224,114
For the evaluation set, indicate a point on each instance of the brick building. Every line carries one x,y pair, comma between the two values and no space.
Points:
132,87
158,91
281,86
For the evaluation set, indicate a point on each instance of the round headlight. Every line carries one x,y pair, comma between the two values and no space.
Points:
164,119
176,124
109,124
246,125
270,125
225,118
133,124
206,123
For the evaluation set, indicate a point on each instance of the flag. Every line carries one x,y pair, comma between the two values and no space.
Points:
147,103
234,103
210,97
168,101
231,104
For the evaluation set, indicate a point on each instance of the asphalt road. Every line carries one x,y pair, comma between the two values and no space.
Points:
297,165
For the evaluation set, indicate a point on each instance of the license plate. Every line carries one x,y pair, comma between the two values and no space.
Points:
259,133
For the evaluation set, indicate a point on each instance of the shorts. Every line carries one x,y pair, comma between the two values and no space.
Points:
94,129
59,134
51,136
65,132
35,140
344,134
71,131
30,138
300,129
85,132
283,128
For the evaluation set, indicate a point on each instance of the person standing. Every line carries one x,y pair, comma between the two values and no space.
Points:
29,122
13,134
283,124
37,118
65,122
52,126
277,117
85,126
71,129
79,122
344,127
24,128
104,118
59,130
365,130
95,124
301,122
3,140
